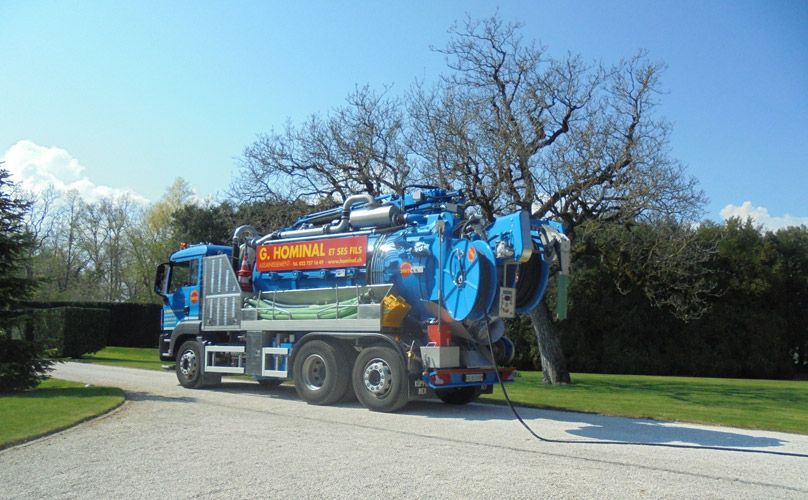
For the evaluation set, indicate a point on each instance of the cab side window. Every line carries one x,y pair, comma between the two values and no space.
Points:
183,274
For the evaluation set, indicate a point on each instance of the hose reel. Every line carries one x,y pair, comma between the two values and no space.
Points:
469,280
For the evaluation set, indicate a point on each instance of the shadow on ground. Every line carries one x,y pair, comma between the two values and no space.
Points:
586,426
648,431
598,427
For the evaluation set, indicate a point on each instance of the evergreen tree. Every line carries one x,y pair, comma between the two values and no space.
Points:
15,247
21,360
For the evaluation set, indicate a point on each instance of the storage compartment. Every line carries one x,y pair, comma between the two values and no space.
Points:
255,341
435,356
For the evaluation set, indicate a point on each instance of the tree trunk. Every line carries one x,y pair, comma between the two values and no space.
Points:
553,364
28,328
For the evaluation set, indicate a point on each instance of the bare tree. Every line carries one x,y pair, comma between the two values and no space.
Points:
520,129
82,250
357,148
118,215
40,221
152,239
67,259
40,224
513,127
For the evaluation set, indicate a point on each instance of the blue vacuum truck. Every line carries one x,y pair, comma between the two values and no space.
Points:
391,299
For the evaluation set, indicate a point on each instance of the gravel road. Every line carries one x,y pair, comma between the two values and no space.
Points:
243,441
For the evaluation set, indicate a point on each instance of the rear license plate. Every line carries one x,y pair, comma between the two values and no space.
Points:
473,377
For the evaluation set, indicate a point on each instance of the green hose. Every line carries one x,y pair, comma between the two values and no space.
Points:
344,310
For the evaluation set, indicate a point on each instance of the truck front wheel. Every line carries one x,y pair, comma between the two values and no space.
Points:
380,380
190,363
321,373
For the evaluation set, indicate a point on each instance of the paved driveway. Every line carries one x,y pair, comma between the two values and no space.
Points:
242,441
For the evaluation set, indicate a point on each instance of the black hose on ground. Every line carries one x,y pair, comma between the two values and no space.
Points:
620,443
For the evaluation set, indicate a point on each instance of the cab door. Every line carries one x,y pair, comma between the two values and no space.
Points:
183,290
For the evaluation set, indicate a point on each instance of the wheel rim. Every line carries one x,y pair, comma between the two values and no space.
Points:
314,372
377,377
188,364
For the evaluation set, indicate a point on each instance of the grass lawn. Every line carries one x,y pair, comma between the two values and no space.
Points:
54,405
133,357
778,405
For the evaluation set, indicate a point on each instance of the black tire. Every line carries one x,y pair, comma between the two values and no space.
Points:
190,363
321,373
269,383
458,395
380,379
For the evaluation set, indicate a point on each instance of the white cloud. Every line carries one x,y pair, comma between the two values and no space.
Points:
761,216
37,168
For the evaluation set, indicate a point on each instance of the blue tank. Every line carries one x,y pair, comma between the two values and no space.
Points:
426,243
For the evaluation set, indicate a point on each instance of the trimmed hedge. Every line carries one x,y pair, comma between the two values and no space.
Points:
71,331
134,325
130,324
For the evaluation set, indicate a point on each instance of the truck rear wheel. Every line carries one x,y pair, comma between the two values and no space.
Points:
321,373
190,364
380,380
459,395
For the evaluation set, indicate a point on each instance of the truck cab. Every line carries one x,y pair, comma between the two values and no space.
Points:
179,283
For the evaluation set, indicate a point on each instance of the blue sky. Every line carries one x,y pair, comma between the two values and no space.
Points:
120,95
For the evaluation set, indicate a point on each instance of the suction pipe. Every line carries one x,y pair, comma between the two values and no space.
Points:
340,226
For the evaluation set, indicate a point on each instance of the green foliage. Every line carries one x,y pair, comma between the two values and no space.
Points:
23,364
267,216
15,248
526,349
790,279
216,223
665,260
753,325
72,331
212,224
757,327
